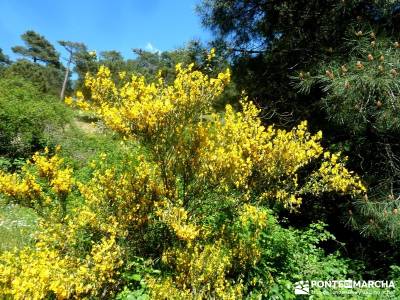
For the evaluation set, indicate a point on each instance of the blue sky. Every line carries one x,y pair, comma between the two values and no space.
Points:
103,24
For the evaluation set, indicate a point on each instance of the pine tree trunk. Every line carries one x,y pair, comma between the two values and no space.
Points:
62,94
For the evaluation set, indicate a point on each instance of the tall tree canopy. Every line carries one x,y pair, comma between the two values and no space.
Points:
270,40
4,60
38,48
41,64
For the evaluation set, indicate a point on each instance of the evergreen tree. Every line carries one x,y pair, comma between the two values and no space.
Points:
362,96
85,61
38,48
269,40
73,49
4,59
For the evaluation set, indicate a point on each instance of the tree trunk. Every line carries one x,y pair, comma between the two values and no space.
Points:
62,94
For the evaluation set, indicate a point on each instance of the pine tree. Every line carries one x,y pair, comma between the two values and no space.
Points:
72,48
38,48
362,100
269,40
4,59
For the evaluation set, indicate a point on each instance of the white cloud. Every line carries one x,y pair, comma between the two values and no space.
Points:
149,47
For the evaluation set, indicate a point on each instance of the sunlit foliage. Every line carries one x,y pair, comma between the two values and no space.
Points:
197,189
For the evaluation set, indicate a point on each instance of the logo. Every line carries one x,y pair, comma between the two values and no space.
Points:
302,288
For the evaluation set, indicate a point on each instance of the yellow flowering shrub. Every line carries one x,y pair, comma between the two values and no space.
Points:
126,197
201,274
43,172
333,175
56,263
194,195
14,186
144,108
176,217
237,150
229,149
49,167
39,272
246,234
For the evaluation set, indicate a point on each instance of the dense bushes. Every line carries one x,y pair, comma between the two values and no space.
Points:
343,59
194,199
46,79
28,118
184,214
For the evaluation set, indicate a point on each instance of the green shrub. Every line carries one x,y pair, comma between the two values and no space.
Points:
47,79
289,255
28,118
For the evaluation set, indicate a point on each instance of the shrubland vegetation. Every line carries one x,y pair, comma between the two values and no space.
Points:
193,173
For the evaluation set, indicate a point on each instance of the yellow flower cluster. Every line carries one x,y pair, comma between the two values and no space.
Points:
12,185
79,102
230,146
211,55
246,250
50,168
333,176
27,186
193,155
177,218
284,154
201,275
55,265
138,106
36,273
62,181
237,150
46,166
127,197
58,264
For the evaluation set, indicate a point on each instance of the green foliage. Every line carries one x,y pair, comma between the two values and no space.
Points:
112,60
344,56
134,277
46,79
72,47
362,90
38,48
361,96
83,139
45,70
148,63
138,294
4,59
85,61
270,40
290,255
28,118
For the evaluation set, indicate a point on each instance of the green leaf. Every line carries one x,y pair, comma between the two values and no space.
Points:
135,277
